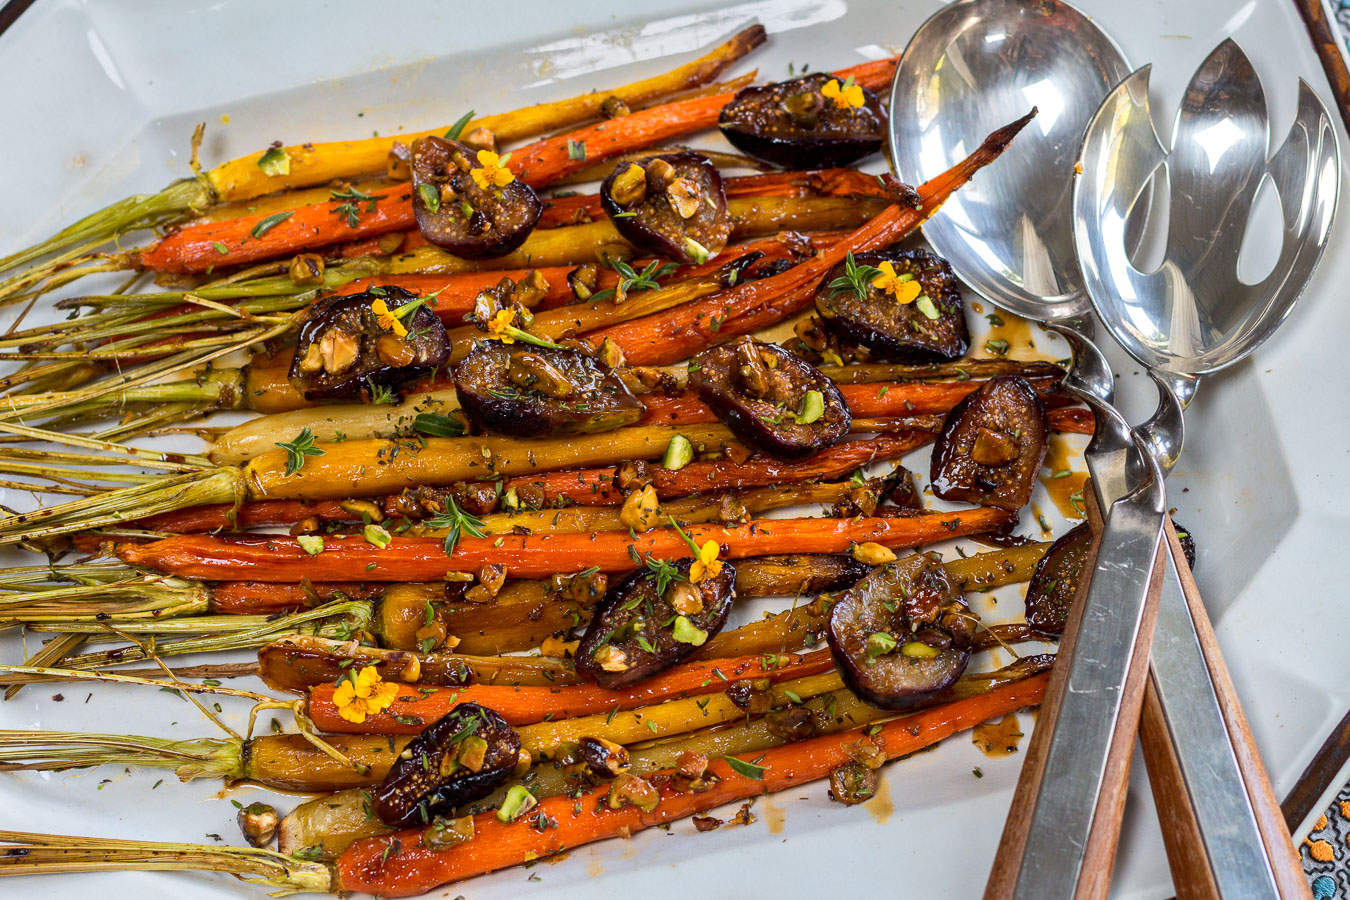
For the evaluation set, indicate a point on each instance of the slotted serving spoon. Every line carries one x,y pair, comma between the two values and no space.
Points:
1190,316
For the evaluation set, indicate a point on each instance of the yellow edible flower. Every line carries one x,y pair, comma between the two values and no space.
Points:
363,695
888,282
845,96
493,172
387,319
499,326
707,565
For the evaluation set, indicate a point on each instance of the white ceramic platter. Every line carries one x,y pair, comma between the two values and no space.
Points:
98,102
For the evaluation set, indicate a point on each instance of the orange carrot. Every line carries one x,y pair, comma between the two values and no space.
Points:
351,558
254,597
402,865
676,333
417,706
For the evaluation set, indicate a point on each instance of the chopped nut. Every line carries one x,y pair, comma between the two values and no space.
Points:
480,139
477,498
659,175
611,659
610,353
533,371
754,700
604,759
630,790
411,673
629,186
853,783
632,473
731,510
363,509
805,107
581,589
490,581
307,268
994,448
873,554
583,280
737,452
706,823
446,833
307,525
258,822
394,351
431,636
390,242
684,597
866,752
641,509
530,289
312,361
337,350
691,765
684,197
473,753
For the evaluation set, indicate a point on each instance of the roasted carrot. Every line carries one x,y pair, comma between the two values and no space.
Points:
547,160
417,706
403,865
677,333
311,164
585,487
274,558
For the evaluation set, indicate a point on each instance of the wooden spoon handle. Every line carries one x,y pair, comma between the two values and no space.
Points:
1199,866
1098,857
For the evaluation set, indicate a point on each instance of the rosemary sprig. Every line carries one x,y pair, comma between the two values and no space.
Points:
857,279
631,280
296,450
457,521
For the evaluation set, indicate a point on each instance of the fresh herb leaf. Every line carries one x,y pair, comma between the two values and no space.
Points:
457,521
438,425
298,449
856,280
458,128
271,222
746,769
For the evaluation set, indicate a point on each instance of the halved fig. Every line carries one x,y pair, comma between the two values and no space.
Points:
459,758
528,391
672,205
991,445
772,400
651,620
901,634
803,123
902,305
467,201
362,343
1055,581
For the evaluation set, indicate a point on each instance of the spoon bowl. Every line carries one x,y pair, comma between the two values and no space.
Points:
972,66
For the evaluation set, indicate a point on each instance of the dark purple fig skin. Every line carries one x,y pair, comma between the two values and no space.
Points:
900,332
1055,581
1187,541
757,123
928,607
1009,409
610,617
502,218
426,337
601,401
656,227
767,422
415,791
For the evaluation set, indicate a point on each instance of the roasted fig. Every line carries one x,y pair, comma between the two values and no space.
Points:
527,391
902,633
672,205
902,305
467,201
773,401
991,445
652,619
1055,581
459,758
812,122
367,342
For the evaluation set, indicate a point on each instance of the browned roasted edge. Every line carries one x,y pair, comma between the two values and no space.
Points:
1326,42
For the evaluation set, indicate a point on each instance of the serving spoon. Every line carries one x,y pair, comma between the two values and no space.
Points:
1009,236
1192,315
